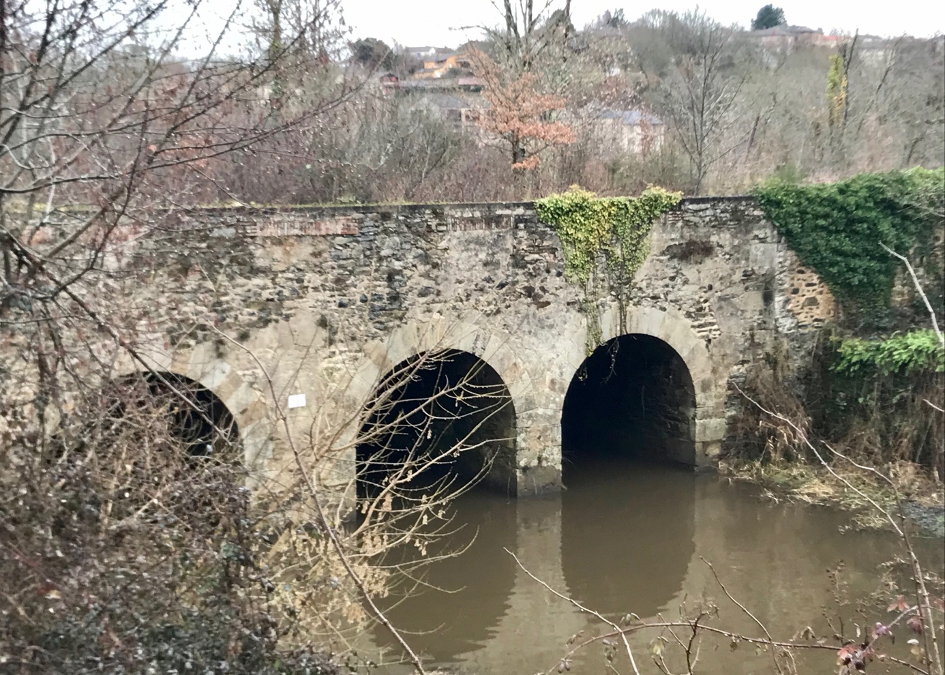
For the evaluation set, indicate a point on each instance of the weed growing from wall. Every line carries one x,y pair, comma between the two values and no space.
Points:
837,229
877,398
614,231
909,353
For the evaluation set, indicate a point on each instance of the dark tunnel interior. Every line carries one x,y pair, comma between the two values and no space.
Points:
438,421
632,398
199,420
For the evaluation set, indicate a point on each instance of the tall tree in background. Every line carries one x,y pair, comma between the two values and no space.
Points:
372,53
768,16
298,33
518,114
529,35
696,79
838,85
609,19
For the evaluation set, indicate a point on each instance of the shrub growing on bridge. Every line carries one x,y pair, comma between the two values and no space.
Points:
837,229
618,228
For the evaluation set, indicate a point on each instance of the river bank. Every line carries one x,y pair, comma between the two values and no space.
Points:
859,492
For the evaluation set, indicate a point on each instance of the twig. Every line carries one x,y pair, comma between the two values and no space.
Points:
583,609
918,287
774,654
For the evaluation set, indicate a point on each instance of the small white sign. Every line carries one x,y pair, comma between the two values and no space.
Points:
296,401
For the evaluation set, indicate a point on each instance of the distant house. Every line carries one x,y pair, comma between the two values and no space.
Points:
389,82
470,83
444,64
429,85
873,49
462,110
787,39
633,131
423,53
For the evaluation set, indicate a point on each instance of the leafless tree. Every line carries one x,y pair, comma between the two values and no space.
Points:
528,32
313,30
128,535
696,75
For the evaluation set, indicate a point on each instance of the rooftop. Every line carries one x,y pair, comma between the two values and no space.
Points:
784,30
630,118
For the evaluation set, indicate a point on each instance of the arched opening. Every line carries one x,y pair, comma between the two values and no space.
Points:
632,398
439,422
193,415
155,447
628,516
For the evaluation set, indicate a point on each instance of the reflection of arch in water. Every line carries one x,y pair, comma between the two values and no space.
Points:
632,396
460,600
627,536
628,527
195,415
450,415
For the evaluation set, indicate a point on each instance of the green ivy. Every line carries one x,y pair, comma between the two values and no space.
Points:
837,229
910,353
616,227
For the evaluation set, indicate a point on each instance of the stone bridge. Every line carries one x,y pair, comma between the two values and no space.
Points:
326,300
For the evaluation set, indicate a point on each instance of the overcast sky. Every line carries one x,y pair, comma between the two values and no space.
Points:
445,23
417,23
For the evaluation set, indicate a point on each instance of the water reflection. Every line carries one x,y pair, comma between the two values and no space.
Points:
627,535
453,605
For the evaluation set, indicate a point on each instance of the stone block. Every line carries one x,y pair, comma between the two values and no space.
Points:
538,480
215,375
763,257
710,430
240,399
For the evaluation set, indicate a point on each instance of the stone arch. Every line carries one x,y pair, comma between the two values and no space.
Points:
442,418
204,366
710,388
205,426
632,397
435,335
438,334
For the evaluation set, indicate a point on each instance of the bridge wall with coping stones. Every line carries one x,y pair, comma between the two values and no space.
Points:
326,300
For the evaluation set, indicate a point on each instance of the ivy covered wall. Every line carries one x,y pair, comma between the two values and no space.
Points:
605,242
839,230
875,381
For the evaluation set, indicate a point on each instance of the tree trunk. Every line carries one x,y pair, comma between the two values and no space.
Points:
518,151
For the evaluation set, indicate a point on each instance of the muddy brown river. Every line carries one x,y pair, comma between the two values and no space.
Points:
630,537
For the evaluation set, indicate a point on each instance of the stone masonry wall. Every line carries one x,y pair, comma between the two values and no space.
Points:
326,300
